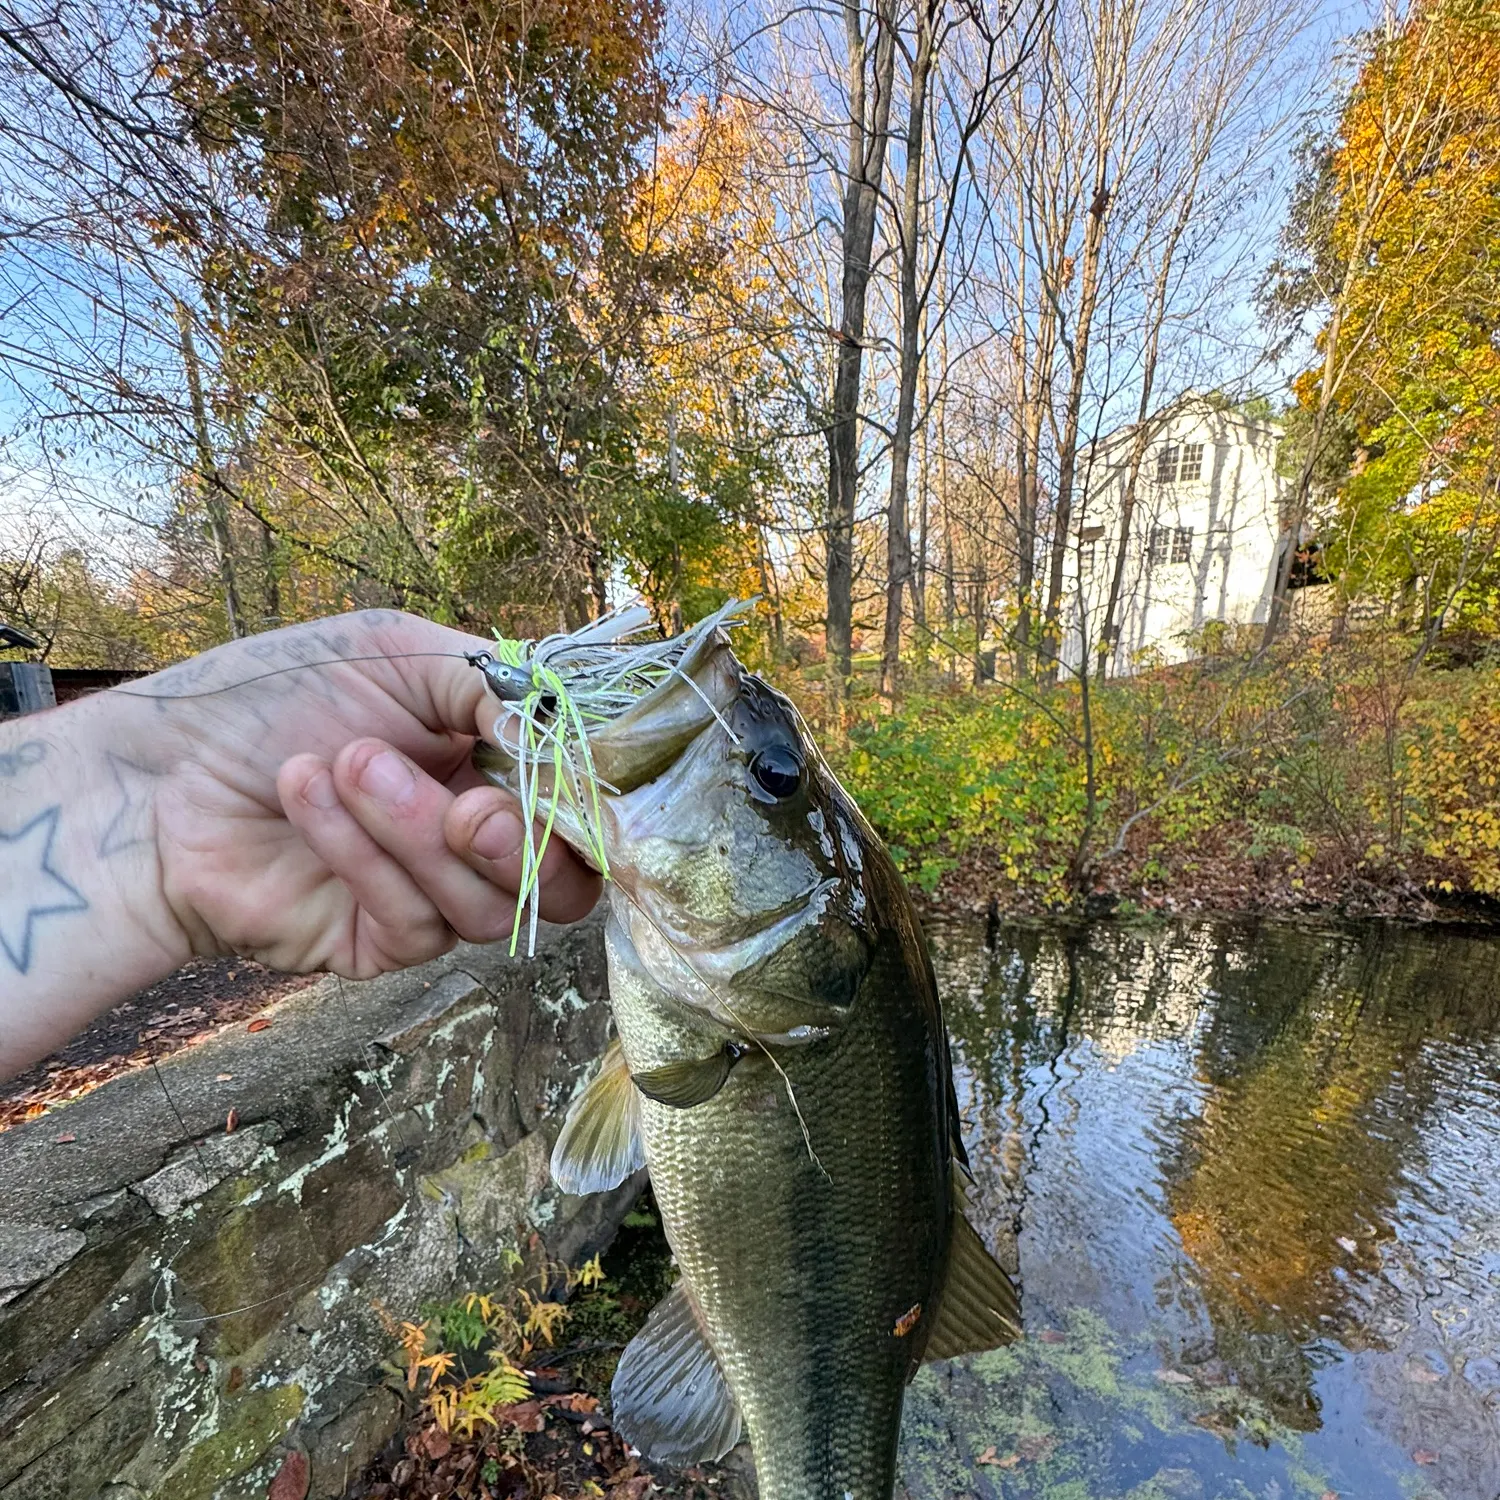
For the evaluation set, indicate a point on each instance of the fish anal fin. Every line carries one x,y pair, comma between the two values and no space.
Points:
687,1081
669,1397
600,1142
979,1308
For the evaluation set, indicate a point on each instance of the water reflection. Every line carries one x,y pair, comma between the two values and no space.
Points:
1265,1162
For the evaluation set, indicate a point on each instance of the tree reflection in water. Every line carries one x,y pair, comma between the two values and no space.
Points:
1267,1158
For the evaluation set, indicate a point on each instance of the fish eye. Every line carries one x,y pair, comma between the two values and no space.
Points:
777,771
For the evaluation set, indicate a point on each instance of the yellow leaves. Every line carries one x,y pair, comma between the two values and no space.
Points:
506,1327
541,1318
587,1276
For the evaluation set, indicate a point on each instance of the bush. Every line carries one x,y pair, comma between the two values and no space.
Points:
1354,757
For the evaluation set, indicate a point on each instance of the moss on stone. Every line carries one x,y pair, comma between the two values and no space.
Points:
253,1424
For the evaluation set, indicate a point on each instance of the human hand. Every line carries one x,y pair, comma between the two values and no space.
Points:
329,817
322,818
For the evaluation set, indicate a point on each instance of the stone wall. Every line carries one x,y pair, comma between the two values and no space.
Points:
182,1306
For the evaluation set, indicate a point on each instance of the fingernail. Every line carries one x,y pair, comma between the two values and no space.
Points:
498,837
319,791
388,778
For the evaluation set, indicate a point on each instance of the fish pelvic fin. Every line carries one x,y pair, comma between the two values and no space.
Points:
979,1307
600,1142
669,1397
690,1080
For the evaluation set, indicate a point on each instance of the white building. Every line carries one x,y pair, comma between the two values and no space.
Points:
1204,536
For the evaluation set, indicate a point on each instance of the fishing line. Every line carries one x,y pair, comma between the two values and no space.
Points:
297,666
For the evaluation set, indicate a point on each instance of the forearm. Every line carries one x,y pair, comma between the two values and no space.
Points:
83,919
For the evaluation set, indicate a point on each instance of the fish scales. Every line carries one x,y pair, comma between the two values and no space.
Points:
786,1254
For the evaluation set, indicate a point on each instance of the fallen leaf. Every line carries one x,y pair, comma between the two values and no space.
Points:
235,1381
436,1443
231,1122
908,1320
260,1023
66,1138
223,1077
1424,1456
526,1416
991,1457
1052,1336
291,1479
1174,1377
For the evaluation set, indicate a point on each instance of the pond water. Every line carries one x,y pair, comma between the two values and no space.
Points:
1252,1175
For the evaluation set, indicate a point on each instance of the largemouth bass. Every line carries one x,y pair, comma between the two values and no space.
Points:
782,1070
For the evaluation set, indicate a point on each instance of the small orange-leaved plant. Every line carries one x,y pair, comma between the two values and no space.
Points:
507,1327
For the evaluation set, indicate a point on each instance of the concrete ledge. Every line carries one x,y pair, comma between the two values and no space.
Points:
181,1305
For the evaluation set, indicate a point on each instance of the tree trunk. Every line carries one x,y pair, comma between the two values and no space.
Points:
869,122
1110,630
950,585
1067,459
898,519
270,563
208,480
1303,490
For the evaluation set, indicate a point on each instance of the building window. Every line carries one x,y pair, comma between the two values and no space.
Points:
1166,464
1192,461
1172,544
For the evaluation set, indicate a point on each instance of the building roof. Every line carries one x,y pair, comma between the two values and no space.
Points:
1194,404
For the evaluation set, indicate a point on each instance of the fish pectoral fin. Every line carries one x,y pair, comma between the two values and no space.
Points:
600,1143
979,1308
689,1080
669,1396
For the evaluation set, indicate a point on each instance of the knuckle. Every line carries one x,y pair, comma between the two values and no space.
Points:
487,925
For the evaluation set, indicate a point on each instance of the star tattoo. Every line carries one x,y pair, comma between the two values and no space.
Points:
30,888
134,819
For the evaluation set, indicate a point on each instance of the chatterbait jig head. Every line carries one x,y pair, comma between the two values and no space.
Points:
510,683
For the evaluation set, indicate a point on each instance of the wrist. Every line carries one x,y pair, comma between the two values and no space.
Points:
83,917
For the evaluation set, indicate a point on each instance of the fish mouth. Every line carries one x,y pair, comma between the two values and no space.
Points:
636,748
735,946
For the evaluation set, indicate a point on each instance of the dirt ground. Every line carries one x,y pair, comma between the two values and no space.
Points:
193,1004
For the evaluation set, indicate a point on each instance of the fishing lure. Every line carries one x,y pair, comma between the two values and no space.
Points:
553,694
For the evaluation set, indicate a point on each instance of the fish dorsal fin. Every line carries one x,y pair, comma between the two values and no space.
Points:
979,1308
600,1143
689,1080
669,1397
